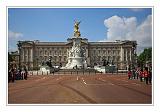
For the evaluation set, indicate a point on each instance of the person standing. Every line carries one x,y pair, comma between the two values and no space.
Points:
10,75
129,74
150,76
134,73
141,75
13,72
25,74
137,73
19,74
146,75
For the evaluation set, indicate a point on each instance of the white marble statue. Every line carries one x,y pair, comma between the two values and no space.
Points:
76,55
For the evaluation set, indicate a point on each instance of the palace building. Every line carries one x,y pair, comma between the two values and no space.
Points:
120,53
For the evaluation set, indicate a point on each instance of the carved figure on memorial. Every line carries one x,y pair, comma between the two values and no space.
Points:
76,29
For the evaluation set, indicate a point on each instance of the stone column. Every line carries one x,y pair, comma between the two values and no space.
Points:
28,54
122,54
22,55
127,63
31,55
130,55
122,58
126,55
20,52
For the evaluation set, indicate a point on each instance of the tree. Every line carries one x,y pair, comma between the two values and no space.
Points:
10,57
145,56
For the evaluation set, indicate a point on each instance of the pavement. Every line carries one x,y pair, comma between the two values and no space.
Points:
79,89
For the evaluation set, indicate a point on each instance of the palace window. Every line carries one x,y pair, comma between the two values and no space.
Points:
109,58
114,58
45,58
99,58
94,51
118,52
65,52
64,58
60,52
60,58
45,52
108,52
55,58
41,53
94,58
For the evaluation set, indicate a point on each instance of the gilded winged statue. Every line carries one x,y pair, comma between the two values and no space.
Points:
76,28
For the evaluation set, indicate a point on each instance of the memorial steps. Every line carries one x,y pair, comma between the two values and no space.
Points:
77,71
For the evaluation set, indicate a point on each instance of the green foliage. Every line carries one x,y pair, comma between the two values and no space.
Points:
10,57
145,56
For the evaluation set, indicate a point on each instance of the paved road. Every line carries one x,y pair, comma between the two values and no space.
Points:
79,89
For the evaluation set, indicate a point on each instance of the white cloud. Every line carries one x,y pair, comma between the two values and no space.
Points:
136,9
13,37
104,40
121,28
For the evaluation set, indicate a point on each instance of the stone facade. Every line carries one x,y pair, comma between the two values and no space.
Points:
120,53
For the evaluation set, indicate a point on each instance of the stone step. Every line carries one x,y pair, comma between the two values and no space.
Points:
77,71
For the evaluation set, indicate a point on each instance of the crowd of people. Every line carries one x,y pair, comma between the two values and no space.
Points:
143,74
17,74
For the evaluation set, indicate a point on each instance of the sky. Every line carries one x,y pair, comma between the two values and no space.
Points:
97,24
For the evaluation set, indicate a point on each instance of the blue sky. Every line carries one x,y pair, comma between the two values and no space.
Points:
56,24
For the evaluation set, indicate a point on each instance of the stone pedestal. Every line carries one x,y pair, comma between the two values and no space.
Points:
76,56
44,69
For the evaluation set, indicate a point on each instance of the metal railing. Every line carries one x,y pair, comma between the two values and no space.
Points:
73,72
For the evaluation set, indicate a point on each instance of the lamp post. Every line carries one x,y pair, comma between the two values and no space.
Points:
50,61
19,44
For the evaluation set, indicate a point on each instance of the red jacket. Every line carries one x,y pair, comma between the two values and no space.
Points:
141,74
146,73
129,73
